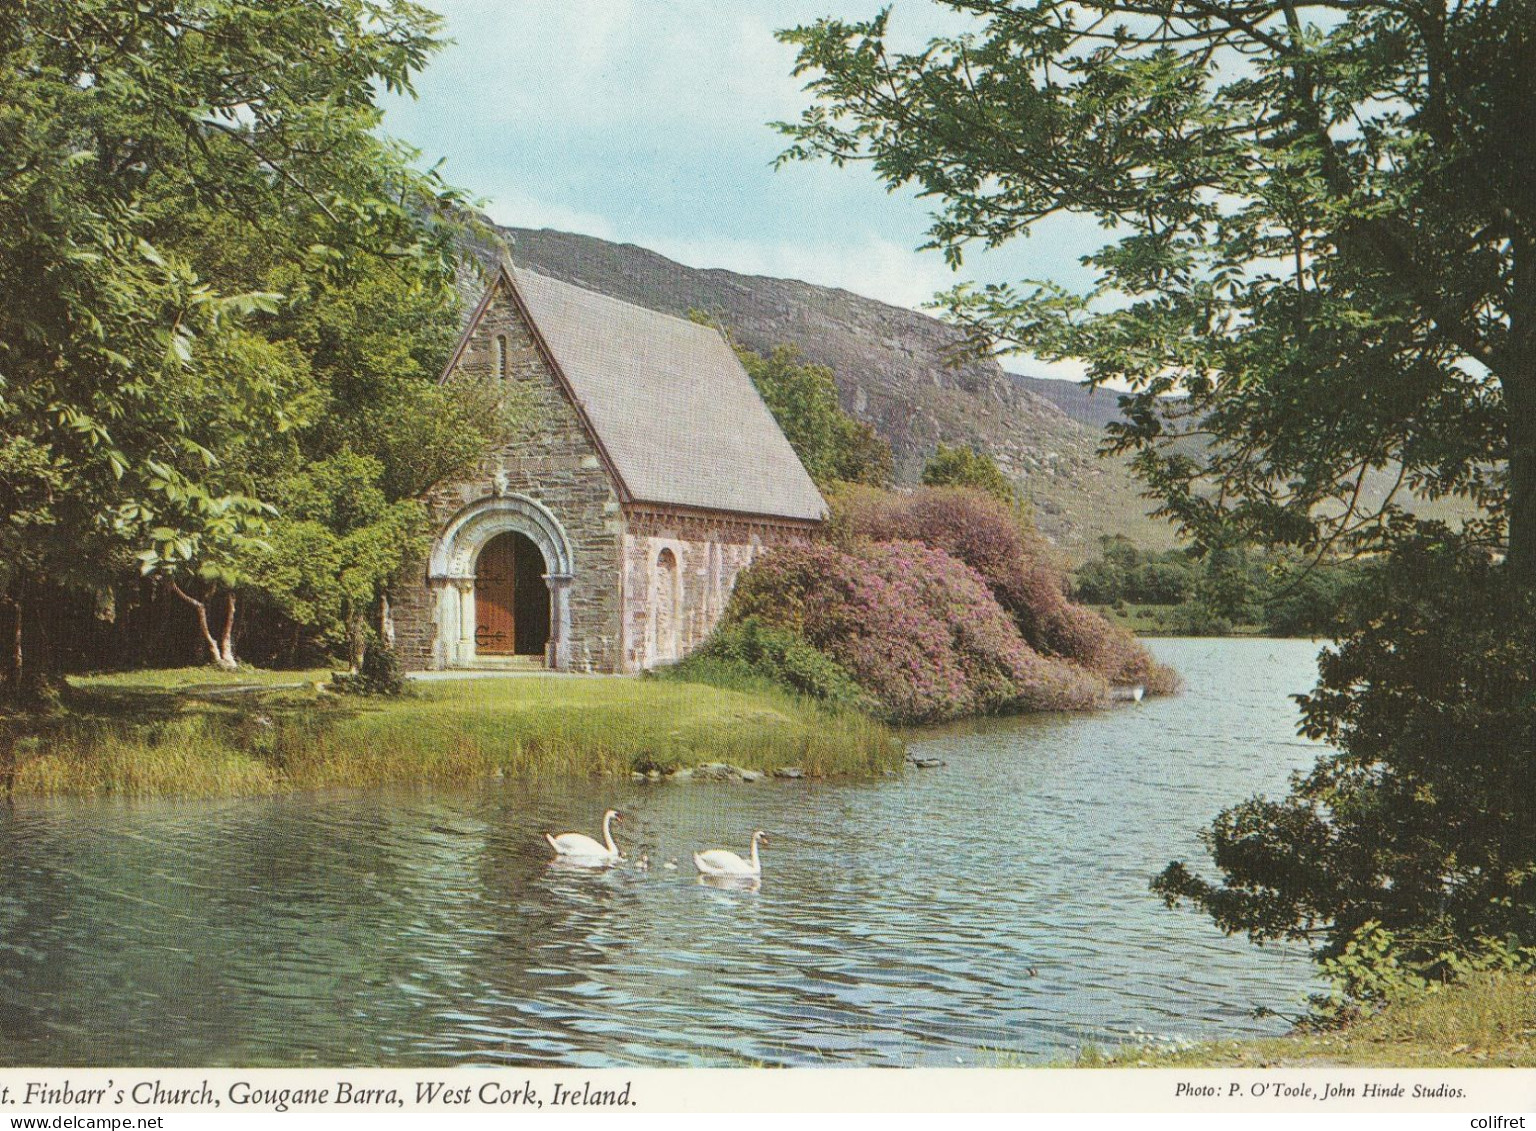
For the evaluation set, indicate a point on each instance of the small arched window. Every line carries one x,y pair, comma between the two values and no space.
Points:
666,601
502,360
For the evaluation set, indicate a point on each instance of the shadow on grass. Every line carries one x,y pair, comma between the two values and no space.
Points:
149,739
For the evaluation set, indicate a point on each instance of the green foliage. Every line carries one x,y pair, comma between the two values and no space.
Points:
1417,818
1366,975
382,431
337,541
1319,229
1371,973
834,446
1319,270
216,271
1209,594
375,334
119,121
379,674
1195,618
1125,572
966,467
1307,599
779,655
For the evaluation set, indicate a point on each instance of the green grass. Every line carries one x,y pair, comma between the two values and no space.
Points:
1487,1021
189,733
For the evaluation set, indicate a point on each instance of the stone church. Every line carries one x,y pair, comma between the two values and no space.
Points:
608,535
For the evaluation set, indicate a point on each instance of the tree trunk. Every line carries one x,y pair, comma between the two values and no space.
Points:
386,621
227,641
357,639
221,657
18,655
1520,408
14,687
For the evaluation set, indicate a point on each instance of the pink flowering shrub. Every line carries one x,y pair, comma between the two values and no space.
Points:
994,540
917,629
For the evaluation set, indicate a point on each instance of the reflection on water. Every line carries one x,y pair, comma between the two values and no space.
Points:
996,905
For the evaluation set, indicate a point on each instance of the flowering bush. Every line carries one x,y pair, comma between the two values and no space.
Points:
1087,639
917,629
1004,549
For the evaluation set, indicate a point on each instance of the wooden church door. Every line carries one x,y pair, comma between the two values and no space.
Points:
511,598
496,597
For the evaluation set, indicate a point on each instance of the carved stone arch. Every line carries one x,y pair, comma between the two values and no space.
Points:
451,574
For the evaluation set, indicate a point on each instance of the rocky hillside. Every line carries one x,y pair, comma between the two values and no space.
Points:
1093,407
895,368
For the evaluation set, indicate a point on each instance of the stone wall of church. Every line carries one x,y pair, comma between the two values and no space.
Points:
679,570
552,461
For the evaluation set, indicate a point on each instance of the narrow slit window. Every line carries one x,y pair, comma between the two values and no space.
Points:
501,356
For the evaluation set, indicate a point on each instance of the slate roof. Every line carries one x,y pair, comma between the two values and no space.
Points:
669,402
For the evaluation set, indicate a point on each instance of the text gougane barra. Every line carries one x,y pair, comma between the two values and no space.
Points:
244,1094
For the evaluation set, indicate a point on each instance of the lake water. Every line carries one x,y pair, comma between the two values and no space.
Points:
992,910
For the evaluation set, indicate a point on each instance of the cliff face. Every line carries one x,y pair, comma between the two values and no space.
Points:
895,368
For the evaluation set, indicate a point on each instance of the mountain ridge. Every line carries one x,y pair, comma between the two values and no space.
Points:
899,370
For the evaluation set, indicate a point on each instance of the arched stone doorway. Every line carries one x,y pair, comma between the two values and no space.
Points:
524,584
511,598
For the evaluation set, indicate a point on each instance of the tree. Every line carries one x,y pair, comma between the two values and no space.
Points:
337,542
1328,233
1326,241
132,387
1420,823
960,466
381,432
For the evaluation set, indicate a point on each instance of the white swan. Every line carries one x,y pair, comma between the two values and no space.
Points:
719,862
579,846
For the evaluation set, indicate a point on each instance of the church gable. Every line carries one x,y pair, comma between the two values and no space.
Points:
607,533
542,510
501,346
666,402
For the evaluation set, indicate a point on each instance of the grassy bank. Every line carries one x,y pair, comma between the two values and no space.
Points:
195,732
1488,1021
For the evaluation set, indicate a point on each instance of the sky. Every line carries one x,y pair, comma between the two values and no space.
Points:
646,122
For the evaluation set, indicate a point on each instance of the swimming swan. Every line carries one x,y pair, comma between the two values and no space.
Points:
719,862
579,846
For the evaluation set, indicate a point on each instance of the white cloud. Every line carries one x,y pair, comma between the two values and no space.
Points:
644,121
579,65
1074,371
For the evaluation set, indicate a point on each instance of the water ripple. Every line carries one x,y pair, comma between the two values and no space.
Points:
997,904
